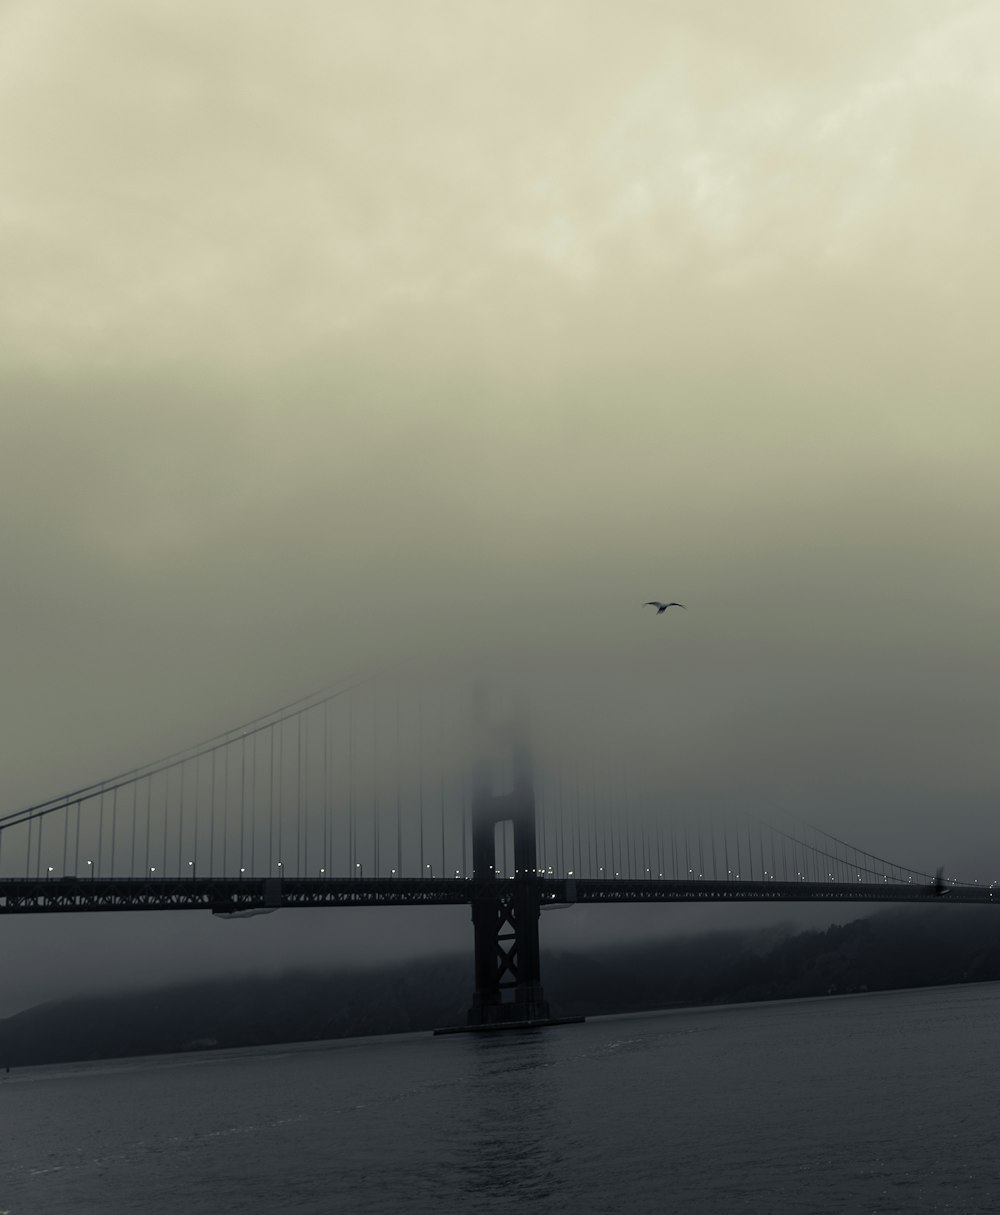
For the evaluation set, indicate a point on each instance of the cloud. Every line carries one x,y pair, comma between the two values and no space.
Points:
212,183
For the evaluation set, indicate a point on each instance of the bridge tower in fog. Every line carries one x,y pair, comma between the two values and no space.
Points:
505,911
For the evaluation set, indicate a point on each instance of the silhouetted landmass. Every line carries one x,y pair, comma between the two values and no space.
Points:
898,948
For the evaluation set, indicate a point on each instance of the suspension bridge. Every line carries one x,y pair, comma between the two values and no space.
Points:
380,793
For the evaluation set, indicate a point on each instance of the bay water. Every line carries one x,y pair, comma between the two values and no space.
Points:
872,1103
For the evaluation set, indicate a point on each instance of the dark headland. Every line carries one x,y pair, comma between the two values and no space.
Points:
889,950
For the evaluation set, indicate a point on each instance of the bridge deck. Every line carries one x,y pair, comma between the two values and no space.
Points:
70,894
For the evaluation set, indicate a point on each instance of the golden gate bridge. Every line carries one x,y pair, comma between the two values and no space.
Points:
386,791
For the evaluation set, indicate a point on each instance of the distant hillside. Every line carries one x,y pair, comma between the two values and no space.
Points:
893,949
897,948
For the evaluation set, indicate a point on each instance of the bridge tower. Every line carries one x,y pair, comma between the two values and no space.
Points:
505,910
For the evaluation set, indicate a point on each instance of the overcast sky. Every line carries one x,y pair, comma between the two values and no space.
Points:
333,333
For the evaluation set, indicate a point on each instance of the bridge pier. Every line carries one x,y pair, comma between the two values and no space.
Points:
505,910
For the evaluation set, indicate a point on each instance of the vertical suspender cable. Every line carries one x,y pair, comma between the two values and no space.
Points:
375,798
65,864
225,810
350,785
464,812
76,859
180,826
298,795
593,832
306,801
243,800
166,817
578,866
211,832
540,820
197,825
561,839
399,791
281,797
420,772
673,849
253,806
135,819
273,804
114,828
442,754
100,836
306,805
149,820
607,827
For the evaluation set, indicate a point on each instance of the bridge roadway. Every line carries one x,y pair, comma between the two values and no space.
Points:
236,895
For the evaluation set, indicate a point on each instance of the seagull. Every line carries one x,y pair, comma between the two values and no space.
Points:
661,607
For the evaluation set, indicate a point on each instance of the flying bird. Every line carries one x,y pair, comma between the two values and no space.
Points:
661,607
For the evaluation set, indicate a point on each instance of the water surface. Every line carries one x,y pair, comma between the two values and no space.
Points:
873,1103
